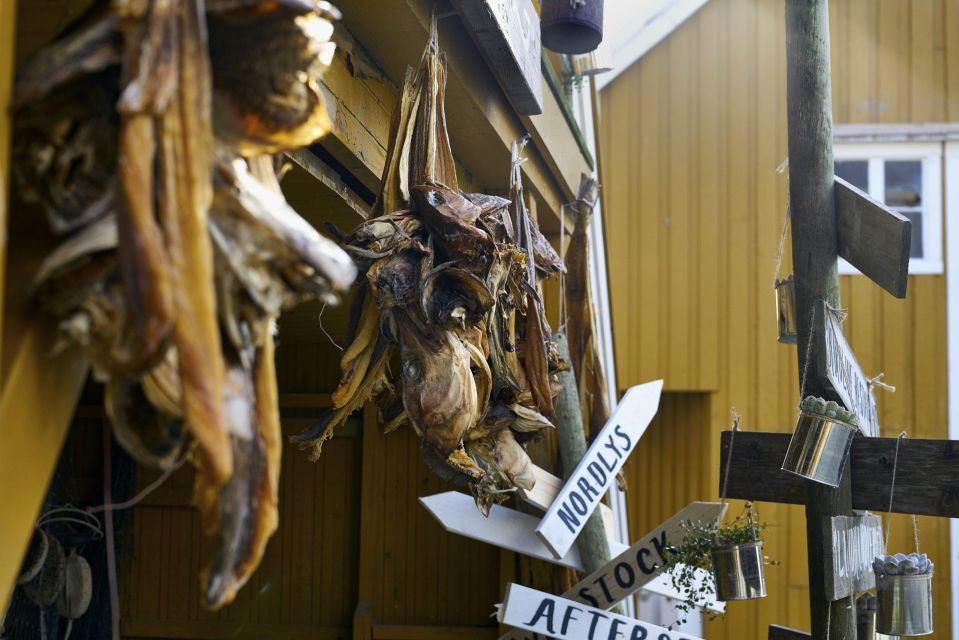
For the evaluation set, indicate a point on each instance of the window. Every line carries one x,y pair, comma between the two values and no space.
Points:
907,178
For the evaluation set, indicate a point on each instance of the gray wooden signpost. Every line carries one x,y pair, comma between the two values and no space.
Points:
830,218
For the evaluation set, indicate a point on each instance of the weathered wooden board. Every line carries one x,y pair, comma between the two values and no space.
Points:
927,478
785,633
592,477
507,32
544,613
506,528
842,370
851,544
873,238
544,493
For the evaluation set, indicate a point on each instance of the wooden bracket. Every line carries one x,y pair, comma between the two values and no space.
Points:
873,238
927,478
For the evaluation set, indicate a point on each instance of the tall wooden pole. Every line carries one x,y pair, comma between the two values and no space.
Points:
814,247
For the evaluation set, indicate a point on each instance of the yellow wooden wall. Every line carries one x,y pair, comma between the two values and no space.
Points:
691,137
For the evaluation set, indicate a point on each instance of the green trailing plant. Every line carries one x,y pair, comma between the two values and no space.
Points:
699,540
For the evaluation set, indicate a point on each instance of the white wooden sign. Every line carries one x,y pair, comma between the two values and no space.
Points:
507,32
637,566
545,490
510,529
846,376
597,470
852,543
556,617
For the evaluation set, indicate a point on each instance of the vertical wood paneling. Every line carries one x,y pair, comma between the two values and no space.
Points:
690,140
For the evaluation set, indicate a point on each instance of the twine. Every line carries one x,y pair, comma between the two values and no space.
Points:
892,488
782,247
877,382
808,361
729,461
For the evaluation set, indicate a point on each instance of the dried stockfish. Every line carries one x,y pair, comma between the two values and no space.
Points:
450,294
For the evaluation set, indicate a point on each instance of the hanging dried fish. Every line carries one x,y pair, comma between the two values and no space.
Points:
183,254
451,295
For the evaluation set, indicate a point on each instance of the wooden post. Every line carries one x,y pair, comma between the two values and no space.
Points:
814,247
592,542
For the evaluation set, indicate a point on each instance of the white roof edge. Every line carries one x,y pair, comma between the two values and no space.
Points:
633,45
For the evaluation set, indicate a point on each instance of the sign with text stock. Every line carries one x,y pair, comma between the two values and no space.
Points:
846,376
636,567
550,616
597,470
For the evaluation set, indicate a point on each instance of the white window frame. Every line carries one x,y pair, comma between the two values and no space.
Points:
930,154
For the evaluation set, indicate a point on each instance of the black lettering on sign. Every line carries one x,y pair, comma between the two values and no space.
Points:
587,488
645,568
664,636
566,515
612,447
609,466
580,506
614,631
639,633
584,594
661,545
624,574
567,617
592,625
546,609
622,434
601,581
599,476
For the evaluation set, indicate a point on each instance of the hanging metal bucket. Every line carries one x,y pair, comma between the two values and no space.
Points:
904,606
571,26
738,570
786,310
819,448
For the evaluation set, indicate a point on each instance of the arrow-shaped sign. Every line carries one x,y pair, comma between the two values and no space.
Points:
638,566
593,475
562,619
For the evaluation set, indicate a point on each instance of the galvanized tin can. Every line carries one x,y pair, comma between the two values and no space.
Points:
786,310
571,26
819,448
904,606
738,570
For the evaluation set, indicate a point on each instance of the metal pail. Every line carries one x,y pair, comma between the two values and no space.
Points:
819,448
786,310
738,570
570,26
904,606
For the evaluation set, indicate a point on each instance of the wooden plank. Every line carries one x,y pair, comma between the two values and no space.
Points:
546,489
873,238
330,179
927,477
507,33
504,527
597,469
851,544
563,619
785,633
420,632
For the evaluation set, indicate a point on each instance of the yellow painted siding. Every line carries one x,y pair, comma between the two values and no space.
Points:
691,137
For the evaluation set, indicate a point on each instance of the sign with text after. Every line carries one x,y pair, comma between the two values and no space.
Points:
551,616
638,566
597,470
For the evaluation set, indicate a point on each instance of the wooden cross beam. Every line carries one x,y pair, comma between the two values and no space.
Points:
927,474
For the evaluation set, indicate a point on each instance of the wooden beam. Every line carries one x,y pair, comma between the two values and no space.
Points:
873,238
330,179
507,35
785,633
927,476
812,208
7,22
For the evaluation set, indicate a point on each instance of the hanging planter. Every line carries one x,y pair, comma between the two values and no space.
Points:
786,310
820,443
733,553
572,26
904,594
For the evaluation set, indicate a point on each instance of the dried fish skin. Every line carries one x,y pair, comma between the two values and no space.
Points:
394,281
450,218
454,298
502,455
267,61
458,467
153,437
439,392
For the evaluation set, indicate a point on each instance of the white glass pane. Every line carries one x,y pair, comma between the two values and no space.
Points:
904,183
